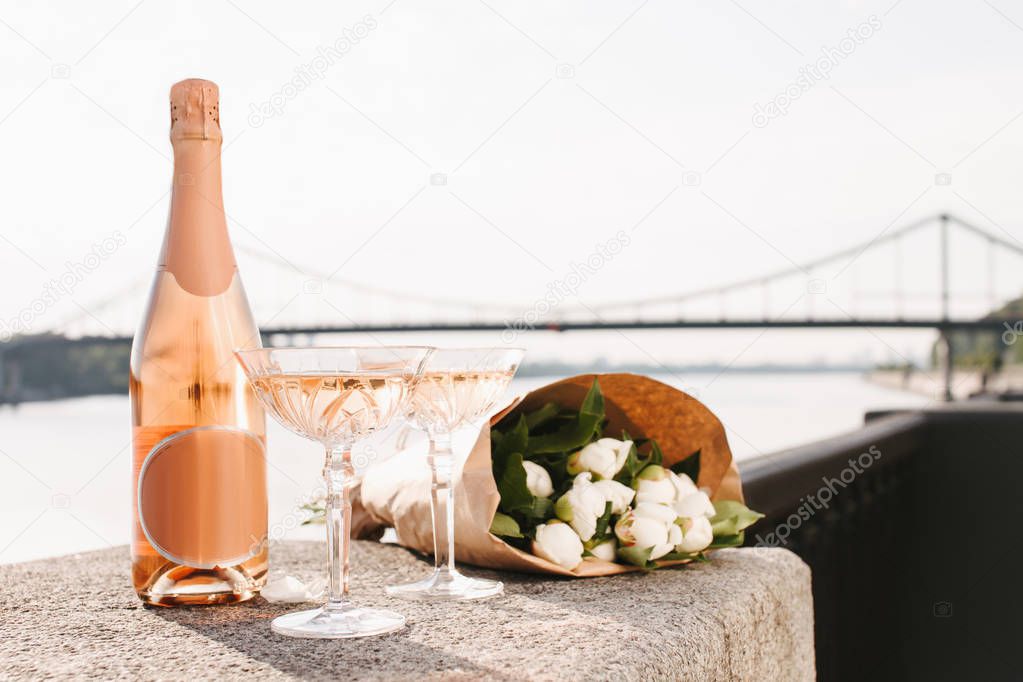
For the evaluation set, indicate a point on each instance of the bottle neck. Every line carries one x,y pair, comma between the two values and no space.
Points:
196,248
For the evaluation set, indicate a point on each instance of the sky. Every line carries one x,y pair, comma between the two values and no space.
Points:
486,151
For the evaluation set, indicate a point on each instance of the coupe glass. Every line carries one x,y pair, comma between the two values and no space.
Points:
458,388
336,396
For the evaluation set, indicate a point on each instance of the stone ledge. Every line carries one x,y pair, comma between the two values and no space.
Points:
747,615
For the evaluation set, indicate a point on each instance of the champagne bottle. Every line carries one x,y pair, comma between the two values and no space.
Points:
198,431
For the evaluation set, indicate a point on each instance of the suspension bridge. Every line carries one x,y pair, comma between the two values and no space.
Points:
903,278
300,306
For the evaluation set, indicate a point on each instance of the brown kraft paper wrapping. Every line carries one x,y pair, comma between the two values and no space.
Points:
396,492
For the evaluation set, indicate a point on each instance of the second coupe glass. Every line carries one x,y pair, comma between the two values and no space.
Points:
336,396
458,388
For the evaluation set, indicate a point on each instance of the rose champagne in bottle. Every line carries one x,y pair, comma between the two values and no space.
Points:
198,431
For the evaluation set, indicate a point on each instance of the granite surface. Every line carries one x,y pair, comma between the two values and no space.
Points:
746,615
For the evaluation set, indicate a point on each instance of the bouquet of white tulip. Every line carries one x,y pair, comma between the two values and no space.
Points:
587,476
569,493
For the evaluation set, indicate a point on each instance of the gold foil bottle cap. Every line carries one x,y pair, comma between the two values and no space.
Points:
195,110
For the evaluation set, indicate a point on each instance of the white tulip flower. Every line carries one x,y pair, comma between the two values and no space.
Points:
606,550
538,480
683,484
618,494
659,512
621,448
674,534
694,505
647,526
653,485
697,534
581,506
660,550
595,458
637,531
558,543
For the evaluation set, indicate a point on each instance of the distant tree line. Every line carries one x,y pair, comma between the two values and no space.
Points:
990,351
48,367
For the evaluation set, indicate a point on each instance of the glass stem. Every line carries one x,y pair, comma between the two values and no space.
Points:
442,502
338,474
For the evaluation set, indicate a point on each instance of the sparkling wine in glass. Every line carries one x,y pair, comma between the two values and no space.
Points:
336,396
458,388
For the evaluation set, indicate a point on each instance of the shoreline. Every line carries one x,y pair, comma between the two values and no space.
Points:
965,382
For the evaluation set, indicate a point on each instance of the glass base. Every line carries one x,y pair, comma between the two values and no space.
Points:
447,585
337,622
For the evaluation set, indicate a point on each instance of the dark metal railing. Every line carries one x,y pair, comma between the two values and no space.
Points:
886,517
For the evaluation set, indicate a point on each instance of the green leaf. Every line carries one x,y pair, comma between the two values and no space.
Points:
656,456
679,556
555,423
542,416
542,510
633,465
515,439
635,555
515,496
510,442
690,466
563,487
731,517
317,513
572,436
505,526
556,464
603,521
728,541
593,403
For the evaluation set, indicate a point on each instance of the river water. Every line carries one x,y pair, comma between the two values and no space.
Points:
65,465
